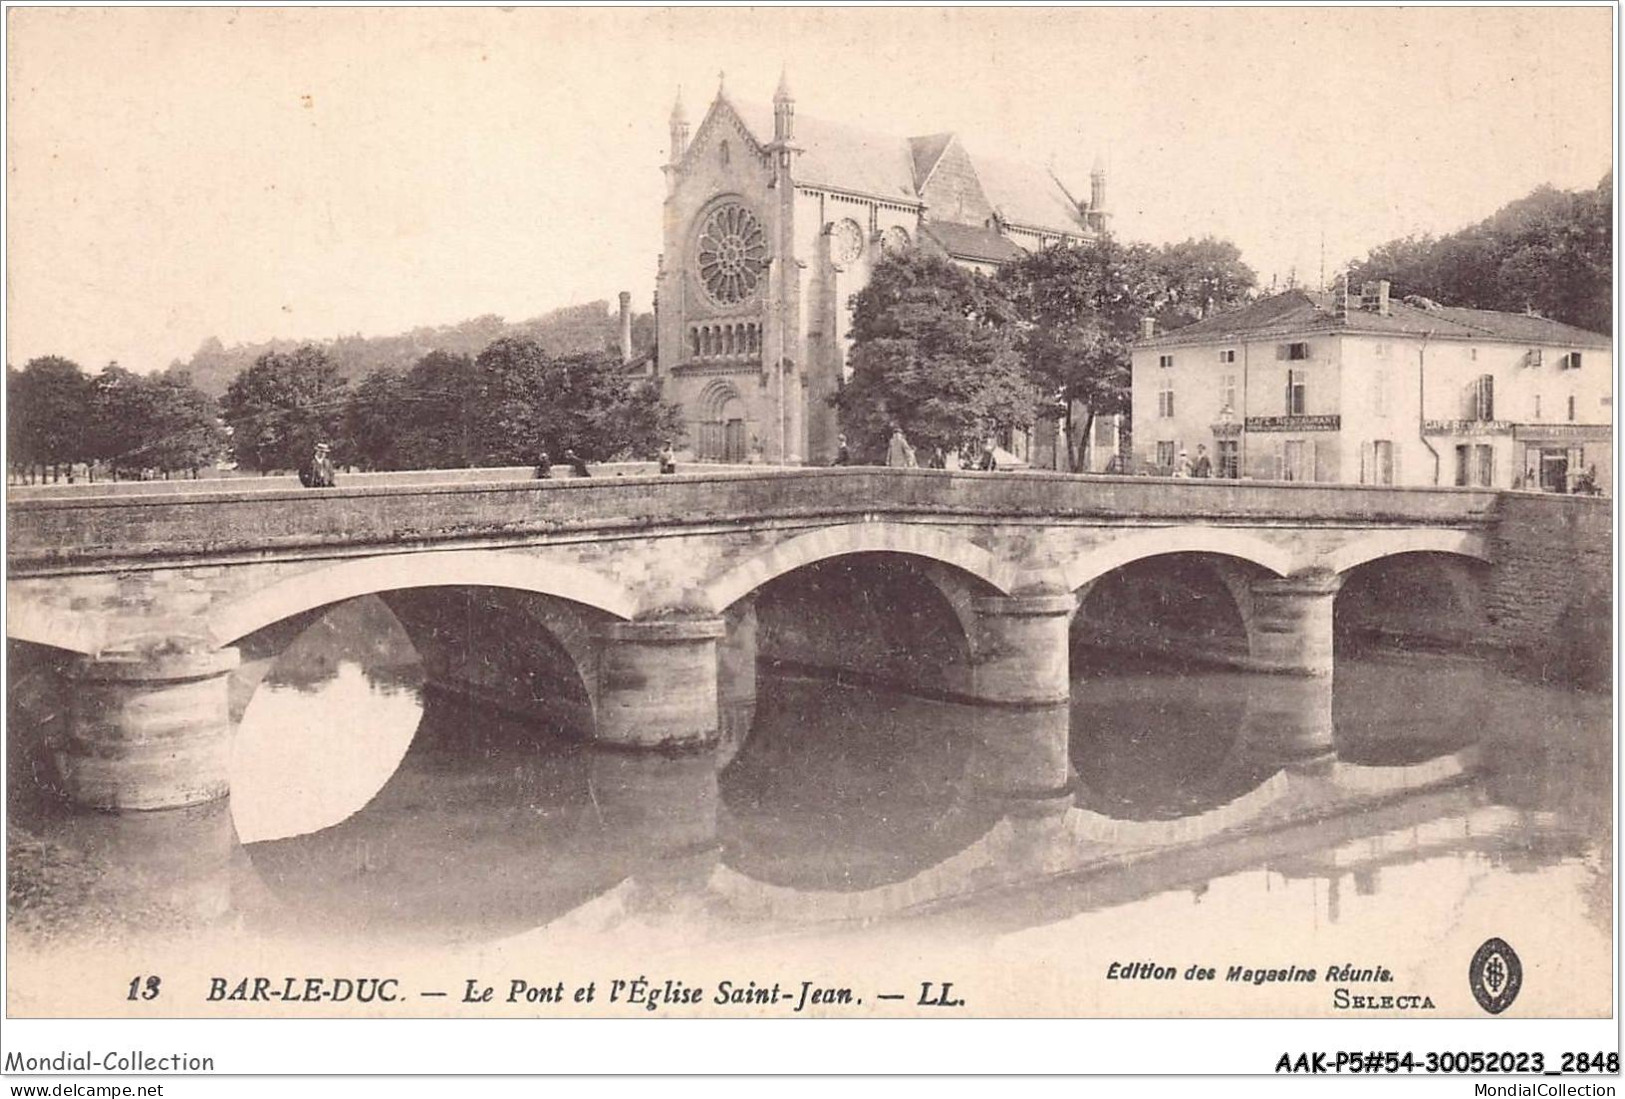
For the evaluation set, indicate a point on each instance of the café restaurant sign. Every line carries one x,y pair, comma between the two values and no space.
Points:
1294,423
1466,427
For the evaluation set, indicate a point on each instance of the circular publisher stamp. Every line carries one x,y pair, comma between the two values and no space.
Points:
1495,975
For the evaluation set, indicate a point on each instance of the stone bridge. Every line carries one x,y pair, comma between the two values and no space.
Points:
636,608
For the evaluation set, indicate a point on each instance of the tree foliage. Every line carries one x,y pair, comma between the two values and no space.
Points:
124,422
1550,251
48,404
1077,311
280,407
503,407
934,354
578,329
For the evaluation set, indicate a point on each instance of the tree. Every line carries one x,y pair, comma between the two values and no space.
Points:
280,407
1078,309
118,419
1199,277
439,402
374,417
933,354
1550,251
531,401
49,404
182,429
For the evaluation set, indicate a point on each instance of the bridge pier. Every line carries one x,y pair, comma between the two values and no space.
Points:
657,683
736,677
1289,723
1291,627
148,730
1021,665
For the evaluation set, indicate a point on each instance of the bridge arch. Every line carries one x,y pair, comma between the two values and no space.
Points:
369,576
1390,543
877,537
1098,561
39,624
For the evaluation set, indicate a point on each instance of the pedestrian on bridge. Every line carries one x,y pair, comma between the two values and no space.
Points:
544,466
318,472
577,462
899,454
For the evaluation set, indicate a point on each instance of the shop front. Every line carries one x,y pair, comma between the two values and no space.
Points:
1565,457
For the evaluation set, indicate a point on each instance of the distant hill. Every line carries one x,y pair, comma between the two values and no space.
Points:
594,326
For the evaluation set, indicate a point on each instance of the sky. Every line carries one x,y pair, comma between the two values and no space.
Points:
175,175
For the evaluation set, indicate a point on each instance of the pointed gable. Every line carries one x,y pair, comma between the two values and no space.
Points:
954,191
926,152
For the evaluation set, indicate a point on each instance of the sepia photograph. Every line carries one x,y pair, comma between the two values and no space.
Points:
809,513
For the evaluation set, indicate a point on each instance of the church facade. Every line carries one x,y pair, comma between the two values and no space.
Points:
773,221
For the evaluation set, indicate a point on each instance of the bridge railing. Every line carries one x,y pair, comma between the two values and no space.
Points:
65,531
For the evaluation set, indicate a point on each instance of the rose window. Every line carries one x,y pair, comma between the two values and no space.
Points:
732,254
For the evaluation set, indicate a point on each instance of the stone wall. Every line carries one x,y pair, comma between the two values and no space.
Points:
1549,600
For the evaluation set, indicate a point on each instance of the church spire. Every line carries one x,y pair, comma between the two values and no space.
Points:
784,109
679,127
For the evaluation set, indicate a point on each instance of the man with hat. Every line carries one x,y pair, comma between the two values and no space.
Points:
319,472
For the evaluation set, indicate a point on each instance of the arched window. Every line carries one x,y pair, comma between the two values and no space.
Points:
694,338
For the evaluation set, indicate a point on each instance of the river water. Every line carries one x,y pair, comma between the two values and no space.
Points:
852,833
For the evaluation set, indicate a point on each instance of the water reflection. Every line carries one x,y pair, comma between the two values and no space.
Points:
373,809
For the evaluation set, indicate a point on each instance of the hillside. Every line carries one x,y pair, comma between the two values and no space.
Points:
576,328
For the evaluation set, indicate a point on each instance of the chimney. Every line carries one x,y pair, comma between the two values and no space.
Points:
1148,327
626,326
1374,297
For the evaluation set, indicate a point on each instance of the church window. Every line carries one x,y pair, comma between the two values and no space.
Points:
845,241
894,240
732,254
694,338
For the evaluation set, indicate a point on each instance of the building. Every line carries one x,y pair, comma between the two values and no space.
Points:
1329,386
774,220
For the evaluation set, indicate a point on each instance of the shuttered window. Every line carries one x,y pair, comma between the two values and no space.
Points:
1295,384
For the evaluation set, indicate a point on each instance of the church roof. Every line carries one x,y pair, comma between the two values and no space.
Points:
972,242
847,158
1303,312
1025,195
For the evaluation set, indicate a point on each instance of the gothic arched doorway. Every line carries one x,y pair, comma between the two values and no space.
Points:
722,424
